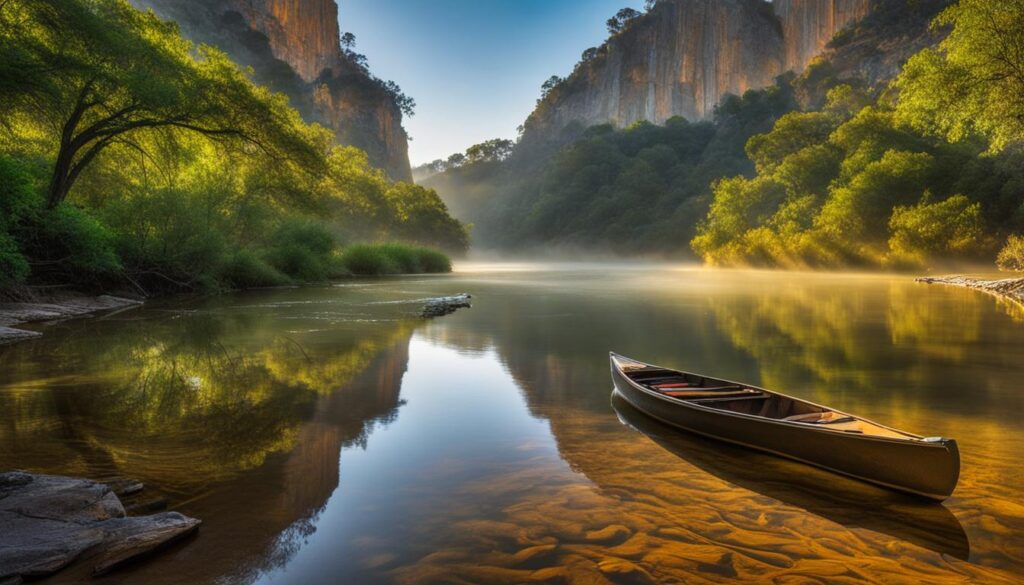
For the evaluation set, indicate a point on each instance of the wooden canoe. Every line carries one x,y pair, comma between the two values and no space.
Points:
789,427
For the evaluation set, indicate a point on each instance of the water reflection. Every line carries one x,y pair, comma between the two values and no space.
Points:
323,436
843,501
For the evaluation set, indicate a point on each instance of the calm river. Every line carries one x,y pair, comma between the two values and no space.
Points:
324,436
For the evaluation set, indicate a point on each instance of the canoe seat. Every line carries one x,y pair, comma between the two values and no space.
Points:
700,389
731,397
820,418
723,392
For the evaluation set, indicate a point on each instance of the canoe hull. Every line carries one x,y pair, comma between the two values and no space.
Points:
930,470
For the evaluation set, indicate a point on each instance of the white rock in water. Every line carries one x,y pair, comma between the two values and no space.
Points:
442,306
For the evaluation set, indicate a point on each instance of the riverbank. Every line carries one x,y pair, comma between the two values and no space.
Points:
54,307
1008,288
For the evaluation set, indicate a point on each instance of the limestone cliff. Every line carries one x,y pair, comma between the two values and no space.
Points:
809,25
684,56
302,33
293,47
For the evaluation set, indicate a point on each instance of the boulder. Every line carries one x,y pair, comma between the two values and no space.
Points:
47,522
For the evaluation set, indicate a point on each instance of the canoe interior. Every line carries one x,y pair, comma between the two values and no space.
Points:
729,396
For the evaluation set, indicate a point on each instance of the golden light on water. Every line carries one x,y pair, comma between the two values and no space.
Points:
484,447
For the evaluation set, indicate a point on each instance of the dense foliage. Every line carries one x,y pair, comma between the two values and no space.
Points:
640,189
931,171
821,170
129,155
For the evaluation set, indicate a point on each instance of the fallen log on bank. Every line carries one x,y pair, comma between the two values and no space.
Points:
442,306
47,522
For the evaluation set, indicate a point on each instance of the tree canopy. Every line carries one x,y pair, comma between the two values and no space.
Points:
92,70
128,154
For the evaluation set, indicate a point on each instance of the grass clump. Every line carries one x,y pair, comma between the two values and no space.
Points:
380,259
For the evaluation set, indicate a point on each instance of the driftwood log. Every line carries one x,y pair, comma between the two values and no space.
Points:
48,522
442,306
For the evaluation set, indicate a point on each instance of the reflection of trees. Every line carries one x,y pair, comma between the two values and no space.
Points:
842,341
242,425
200,408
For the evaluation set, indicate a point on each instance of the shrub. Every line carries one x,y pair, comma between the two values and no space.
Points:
244,269
378,259
303,250
169,238
17,199
67,242
368,260
434,262
17,196
13,266
1011,257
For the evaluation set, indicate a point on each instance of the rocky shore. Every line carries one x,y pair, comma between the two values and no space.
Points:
48,522
1007,288
53,308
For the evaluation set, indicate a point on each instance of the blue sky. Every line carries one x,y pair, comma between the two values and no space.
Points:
474,66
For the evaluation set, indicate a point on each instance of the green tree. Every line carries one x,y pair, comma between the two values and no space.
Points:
621,20
947,228
497,149
102,71
974,82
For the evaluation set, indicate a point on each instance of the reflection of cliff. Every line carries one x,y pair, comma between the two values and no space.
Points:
293,47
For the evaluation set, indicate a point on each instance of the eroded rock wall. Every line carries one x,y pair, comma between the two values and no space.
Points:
293,46
684,56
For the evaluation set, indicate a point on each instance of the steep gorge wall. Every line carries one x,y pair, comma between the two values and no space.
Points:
302,33
684,56
293,46
808,26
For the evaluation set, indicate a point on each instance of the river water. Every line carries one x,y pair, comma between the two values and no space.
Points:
323,435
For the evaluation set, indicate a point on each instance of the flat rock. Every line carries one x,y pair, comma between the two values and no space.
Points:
126,539
47,522
64,307
36,547
53,497
12,335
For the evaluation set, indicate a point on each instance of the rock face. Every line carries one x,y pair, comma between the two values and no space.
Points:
684,56
293,47
808,26
302,33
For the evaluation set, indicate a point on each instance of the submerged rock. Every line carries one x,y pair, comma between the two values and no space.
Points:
47,522
442,306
